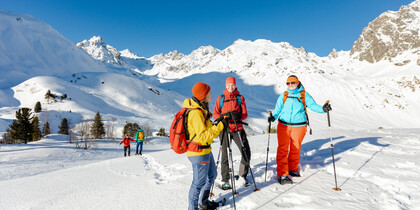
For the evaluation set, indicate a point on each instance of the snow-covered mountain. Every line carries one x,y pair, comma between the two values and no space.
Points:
100,51
30,47
390,35
385,93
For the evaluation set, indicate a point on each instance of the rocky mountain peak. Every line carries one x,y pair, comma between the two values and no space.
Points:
99,50
389,35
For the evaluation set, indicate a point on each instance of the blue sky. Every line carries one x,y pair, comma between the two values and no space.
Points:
153,27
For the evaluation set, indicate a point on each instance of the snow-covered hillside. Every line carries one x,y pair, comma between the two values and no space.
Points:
31,48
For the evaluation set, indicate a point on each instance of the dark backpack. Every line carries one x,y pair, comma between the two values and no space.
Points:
179,136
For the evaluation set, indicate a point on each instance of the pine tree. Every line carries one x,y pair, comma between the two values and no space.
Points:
64,127
97,129
37,107
46,129
130,129
49,96
161,132
21,128
36,134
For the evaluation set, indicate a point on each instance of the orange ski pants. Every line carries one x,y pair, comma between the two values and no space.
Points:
288,150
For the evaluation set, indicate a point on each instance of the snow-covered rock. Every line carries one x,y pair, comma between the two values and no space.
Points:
389,35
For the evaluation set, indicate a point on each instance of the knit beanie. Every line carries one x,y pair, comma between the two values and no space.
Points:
293,78
200,90
230,80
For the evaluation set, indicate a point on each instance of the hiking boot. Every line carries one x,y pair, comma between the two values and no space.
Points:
285,180
247,184
294,173
210,206
225,186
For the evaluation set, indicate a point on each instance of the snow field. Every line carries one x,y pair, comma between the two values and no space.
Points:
376,169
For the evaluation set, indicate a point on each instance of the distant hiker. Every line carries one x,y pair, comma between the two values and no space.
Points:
231,102
291,113
126,141
201,130
139,140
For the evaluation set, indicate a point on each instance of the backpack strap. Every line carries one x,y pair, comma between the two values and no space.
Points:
222,100
301,99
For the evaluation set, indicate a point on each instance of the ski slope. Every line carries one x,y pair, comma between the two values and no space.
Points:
376,169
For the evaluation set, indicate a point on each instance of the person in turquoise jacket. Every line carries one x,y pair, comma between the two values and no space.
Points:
290,111
139,140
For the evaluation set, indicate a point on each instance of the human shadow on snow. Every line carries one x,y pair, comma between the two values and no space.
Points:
315,154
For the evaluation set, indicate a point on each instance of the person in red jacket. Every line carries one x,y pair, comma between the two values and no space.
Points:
233,104
126,141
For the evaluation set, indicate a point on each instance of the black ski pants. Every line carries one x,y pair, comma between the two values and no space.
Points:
226,136
125,150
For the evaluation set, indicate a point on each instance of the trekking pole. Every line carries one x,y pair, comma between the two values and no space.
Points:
244,152
217,164
232,172
332,149
268,145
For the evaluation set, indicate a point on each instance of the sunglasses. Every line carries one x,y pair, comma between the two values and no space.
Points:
290,83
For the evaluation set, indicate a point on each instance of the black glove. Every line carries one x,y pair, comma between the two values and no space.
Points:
225,123
235,116
223,116
326,107
271,118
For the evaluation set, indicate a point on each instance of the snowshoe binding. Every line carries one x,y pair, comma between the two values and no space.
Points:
294,173
285,180
225,186
212,205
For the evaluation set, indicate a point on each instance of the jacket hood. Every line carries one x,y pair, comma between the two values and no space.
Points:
190,103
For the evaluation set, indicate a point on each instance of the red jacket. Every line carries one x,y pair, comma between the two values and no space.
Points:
229,105
126,141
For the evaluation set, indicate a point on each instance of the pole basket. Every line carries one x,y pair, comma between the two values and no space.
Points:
337,189
212,194
256,190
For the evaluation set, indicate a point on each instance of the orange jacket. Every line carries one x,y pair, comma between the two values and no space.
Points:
126,141
231,105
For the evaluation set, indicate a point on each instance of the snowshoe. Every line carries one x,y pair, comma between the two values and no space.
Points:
212,205
225,186
294,173
285,180
247,184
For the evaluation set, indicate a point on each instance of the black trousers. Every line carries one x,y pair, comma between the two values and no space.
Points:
125,150
224,136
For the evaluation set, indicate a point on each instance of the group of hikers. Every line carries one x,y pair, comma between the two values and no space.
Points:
229,113
139,139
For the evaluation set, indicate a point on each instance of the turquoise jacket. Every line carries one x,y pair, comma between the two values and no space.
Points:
137,135
293,111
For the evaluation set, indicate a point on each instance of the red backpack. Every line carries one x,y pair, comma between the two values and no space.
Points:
179,136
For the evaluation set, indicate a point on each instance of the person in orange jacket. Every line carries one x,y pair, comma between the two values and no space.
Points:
231,103
126,141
